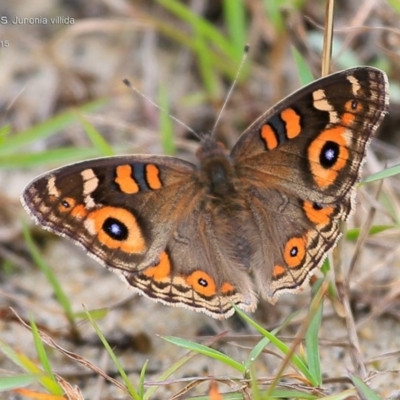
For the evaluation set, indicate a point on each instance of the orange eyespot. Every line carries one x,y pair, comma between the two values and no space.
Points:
202,283
66,204
295,251
116,228
328,155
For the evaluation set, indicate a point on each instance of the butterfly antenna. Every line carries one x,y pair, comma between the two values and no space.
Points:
135,89
228,96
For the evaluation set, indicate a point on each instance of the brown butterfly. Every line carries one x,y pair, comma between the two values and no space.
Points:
259,220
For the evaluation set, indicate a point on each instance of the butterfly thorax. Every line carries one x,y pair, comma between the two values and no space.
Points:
216,173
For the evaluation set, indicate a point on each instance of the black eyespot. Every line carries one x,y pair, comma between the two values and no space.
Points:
65,203
354,104
317,206
294,251
329,154
203,282
115,229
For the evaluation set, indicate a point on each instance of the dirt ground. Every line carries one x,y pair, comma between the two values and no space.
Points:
77,52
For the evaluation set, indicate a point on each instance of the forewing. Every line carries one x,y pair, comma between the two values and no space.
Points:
120,209
313,143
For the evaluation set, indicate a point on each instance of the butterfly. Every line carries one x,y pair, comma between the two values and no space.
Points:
255,221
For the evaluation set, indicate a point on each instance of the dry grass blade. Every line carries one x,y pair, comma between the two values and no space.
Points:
70,392
328,37
73,356
354,349
363,235
344,290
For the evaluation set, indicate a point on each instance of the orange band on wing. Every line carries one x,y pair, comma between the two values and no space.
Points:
160,271
125,181
318,216
227,288
292,121
153,177
79,211
278,271
348,118
269,136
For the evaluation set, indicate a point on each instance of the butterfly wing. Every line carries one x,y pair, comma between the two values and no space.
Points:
300,162
195,270
122,210
294,238
313,143
143,217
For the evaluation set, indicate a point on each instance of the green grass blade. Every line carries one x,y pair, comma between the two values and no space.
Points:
204,41
326,267
12,355
256,351
201,26
62,298
206,67
352,234
121,371
259,347
96,314
166,374
26,364
142,378
166,123
311,339
386,173
207,351
4,131
284,348
255,389
40,350
303,69
274,11
95,137
16,381
50,383
364,391
235,20
48,157
45,129
395,4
